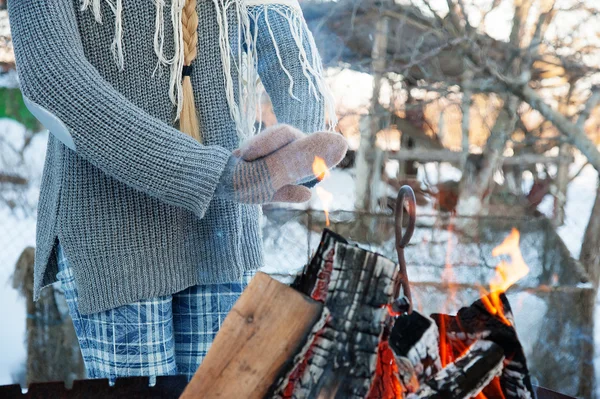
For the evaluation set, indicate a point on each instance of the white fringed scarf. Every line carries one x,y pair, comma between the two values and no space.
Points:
243,109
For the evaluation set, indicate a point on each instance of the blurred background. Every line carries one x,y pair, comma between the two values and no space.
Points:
488,109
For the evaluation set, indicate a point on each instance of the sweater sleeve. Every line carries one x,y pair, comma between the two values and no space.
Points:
106,128
290,67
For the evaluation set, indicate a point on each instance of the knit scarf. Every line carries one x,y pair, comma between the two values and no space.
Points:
243,61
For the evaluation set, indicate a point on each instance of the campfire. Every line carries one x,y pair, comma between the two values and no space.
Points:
346,329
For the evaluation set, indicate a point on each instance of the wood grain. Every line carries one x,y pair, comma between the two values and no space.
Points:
266,327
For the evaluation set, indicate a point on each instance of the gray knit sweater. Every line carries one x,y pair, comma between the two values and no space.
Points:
129,196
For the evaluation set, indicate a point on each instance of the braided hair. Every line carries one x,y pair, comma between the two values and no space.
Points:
188,122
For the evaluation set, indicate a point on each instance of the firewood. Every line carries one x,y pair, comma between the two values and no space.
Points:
467,376
416,338
267,326
339,332
476,321
356,287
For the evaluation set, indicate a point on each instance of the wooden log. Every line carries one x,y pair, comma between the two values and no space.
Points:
475,322
267,326
357,287
467,376
416,338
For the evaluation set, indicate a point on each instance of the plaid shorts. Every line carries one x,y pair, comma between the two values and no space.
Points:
168,335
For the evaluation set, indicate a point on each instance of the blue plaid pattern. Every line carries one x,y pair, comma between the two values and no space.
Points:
167,335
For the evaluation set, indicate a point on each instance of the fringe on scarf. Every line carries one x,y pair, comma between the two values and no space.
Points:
241,60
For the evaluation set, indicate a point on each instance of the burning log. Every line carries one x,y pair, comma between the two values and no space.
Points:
467,376
480,320
355,355
407,355
356,287
416,338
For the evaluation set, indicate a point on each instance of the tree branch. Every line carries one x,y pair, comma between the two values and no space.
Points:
592,102
575,134
13,179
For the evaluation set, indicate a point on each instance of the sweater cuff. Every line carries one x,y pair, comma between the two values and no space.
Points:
202,177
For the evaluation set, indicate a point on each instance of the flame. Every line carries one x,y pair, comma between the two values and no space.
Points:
320,168
326,198
506,275
448,274
321,171
448,278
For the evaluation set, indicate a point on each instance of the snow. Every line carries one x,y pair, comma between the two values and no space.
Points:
17,231
12,311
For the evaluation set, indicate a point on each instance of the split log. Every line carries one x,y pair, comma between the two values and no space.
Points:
467,376
267,326
356,287
416,338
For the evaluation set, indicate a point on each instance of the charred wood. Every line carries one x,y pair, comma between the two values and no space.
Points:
356,287
467,376
476,322
416,338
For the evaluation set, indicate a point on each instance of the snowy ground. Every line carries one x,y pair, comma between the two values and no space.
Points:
18,231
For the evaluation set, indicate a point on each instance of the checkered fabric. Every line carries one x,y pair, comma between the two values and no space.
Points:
167,335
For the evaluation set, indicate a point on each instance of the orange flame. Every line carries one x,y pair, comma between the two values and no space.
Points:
507,273
320,168
446,355
326,198
321,171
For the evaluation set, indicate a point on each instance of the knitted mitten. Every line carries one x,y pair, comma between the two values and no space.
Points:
274,177
268,141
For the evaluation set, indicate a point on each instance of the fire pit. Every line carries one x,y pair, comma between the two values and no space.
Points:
551,305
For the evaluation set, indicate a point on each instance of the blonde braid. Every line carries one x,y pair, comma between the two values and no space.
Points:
188,122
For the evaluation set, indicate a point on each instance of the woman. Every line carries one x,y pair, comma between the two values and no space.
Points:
154,230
